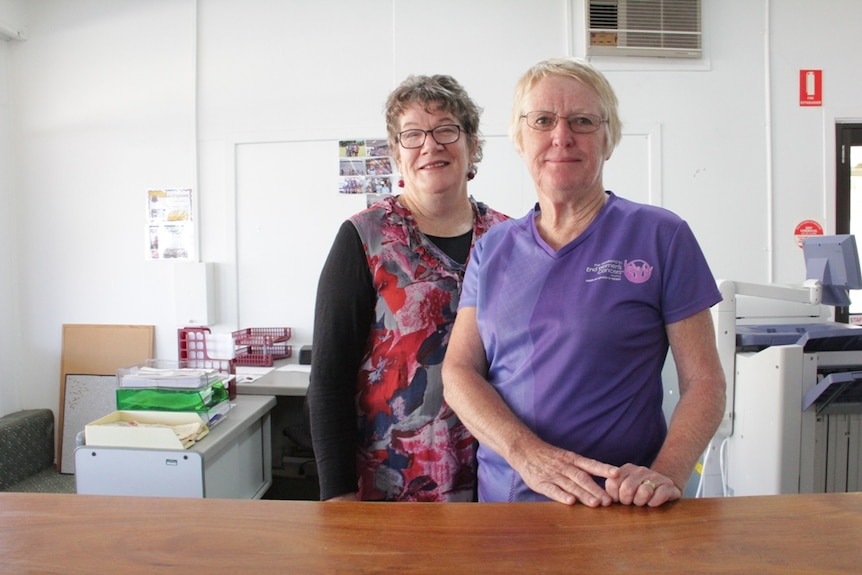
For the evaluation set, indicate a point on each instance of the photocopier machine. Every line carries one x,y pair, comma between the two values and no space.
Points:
793,422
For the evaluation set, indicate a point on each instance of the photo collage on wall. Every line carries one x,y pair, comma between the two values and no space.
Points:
365,167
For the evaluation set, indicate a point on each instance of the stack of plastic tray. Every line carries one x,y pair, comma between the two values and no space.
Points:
161,385
261,346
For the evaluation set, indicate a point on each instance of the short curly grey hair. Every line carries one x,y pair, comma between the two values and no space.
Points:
437,93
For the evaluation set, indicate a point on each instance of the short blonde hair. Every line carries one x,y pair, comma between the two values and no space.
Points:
577,70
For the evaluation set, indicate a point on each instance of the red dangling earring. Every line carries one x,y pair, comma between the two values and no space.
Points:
400,183
470,175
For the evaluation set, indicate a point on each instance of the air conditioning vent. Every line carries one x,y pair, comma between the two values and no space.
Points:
656,28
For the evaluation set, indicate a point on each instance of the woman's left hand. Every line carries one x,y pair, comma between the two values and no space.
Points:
636,485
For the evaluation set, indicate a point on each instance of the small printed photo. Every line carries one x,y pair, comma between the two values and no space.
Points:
381,186
378,167
351,167
154,241
178,215
351,148
351,186
377,148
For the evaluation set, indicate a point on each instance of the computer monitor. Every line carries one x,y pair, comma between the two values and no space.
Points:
834,262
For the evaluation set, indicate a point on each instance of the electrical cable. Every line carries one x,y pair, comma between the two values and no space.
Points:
722,464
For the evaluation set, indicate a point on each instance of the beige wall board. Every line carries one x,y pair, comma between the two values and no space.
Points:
99,349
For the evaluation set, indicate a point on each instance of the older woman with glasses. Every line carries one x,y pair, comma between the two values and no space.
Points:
386,302
566,317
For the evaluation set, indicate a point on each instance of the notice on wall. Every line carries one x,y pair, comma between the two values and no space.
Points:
170,225
805,229
364,167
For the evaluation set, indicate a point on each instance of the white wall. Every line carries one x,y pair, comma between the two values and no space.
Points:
11,20
109,99
102,98
806,37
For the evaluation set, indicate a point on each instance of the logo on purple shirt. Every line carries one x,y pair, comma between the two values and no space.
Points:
637,271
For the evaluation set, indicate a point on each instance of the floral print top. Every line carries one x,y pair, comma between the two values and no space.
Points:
411,445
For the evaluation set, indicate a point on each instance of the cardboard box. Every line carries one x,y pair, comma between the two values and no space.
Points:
100,433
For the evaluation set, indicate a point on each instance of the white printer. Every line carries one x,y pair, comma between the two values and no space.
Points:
793,422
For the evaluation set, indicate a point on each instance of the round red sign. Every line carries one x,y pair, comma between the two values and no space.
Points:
807,228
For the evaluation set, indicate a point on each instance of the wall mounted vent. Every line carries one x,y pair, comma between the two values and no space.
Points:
653,28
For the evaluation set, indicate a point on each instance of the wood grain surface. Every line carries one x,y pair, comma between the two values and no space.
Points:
70,534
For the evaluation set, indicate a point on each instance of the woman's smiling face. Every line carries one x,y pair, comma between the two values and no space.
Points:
564,163
433,167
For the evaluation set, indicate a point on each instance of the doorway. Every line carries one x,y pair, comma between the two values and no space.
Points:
848,202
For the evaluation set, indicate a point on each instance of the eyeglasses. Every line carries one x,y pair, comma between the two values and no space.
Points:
445,134
578,123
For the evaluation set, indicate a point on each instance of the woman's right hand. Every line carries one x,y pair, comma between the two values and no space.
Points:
565,476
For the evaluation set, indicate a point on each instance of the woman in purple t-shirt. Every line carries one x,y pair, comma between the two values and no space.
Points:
566,316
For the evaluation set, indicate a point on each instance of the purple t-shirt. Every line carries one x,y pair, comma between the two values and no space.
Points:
575,339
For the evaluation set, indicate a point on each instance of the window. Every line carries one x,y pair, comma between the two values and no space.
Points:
848,203
655,28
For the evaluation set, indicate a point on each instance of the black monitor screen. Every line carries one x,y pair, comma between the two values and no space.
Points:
834,261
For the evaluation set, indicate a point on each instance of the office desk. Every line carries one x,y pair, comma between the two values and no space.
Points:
785,534
277,382
234,460
291,460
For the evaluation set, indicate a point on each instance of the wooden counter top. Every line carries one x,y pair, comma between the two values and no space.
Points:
69,534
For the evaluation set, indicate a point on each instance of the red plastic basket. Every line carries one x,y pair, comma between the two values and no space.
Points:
262,356
192,349
264,336
261,346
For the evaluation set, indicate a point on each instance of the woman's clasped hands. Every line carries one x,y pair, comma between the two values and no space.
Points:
569,478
